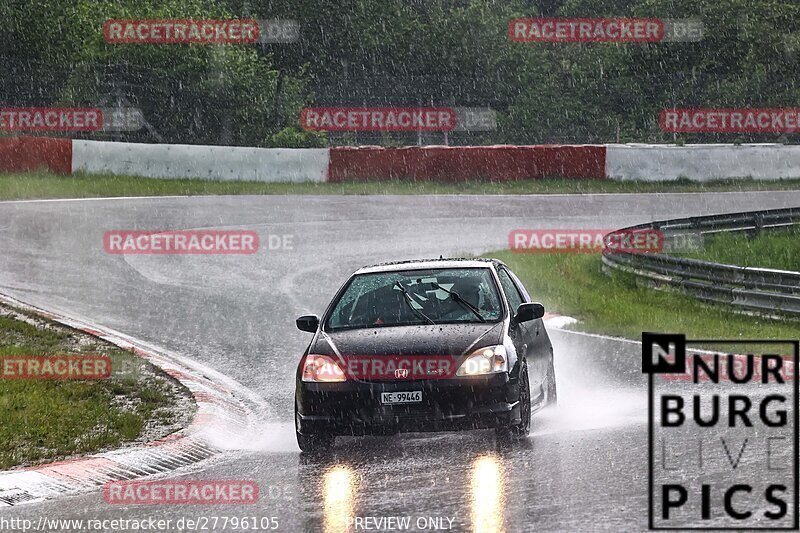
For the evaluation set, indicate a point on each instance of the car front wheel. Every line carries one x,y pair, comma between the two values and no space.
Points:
552,391
523,428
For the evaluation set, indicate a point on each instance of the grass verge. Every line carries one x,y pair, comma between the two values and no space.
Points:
36,185
47,420
779,249
574,285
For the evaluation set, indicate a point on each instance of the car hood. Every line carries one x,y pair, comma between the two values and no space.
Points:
441,339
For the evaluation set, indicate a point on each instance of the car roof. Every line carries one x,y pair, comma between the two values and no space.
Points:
433,264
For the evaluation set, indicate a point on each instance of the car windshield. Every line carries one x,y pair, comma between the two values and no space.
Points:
442,296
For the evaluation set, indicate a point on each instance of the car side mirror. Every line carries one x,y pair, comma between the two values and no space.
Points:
308,323
529,311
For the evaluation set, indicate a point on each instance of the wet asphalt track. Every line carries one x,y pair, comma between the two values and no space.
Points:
583,468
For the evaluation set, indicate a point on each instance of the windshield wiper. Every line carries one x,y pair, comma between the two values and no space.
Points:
457,298
408,299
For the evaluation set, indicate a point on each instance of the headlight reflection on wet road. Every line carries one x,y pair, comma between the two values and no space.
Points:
338,495
487,487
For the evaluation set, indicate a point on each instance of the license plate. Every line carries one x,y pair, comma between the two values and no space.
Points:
401,397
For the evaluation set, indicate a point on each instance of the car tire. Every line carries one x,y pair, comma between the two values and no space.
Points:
522,429
552,390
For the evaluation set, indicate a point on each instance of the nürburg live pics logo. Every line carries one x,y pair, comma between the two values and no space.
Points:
723,433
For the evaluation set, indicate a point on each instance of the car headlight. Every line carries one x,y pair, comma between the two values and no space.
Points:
322,369
488,360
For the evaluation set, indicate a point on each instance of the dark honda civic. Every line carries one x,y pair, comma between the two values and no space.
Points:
434,345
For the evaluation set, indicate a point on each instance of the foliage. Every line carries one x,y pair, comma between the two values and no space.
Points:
408,52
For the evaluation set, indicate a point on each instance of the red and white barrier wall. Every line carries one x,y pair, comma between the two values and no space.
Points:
460,163
20,154
701,162
224,163
648,162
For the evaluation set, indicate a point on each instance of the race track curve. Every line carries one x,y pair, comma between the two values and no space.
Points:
583,468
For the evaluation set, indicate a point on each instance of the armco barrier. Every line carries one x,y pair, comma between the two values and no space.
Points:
224,163
21,154
751,289
646,162
492,163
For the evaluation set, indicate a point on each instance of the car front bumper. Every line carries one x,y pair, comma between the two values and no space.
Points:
355,408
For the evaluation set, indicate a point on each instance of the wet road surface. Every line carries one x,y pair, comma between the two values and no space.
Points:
583,468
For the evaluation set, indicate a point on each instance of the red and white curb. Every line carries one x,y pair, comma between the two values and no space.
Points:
223,414
556,321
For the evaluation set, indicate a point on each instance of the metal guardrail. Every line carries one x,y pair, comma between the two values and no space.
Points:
755,290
